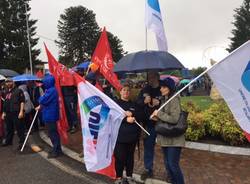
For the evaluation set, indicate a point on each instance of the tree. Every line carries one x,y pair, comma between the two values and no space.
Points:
78,36
176,73
241,32
14,53
116,47
197,71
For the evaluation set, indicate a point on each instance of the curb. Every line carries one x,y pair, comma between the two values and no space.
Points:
232,150
76,157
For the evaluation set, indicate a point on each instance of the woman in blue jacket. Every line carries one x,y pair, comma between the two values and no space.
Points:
49,103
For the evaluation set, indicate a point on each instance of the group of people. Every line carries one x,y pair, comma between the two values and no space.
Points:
144,110
19,103
17,109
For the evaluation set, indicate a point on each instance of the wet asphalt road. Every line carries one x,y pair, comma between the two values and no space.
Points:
29,167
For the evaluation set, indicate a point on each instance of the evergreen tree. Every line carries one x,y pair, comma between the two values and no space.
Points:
78,36
116,47
197,71
14,51
241,32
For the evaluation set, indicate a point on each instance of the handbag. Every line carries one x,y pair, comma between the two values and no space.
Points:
173,130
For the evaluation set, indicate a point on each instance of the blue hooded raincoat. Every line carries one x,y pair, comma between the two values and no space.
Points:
49,101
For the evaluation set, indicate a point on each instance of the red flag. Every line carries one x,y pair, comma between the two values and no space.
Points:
57,70
1,121
247,136
98,86
66,78
103,58
39,74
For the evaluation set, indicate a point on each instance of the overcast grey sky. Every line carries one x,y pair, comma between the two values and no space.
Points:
196,29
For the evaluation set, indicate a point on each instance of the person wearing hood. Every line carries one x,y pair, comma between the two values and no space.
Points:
49,104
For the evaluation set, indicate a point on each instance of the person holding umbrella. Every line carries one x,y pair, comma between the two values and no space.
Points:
149,100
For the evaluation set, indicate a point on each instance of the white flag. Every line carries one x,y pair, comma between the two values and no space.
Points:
154,22
100,119
232,78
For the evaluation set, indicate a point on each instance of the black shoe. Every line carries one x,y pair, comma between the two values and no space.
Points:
19,147
73,130
168,179
125,181
6,144
146,174
130,180
54,155
118,181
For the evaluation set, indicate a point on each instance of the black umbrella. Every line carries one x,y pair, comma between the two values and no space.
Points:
8,73
148,60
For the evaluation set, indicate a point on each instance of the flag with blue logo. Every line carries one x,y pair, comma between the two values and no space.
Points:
232,79
101,118
154,23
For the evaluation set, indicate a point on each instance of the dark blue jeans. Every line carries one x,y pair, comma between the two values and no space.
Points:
54,137
171,160
70,103
149,145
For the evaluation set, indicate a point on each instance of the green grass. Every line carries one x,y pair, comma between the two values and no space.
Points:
203,102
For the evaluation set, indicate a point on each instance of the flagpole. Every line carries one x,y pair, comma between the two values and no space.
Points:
142,128
192,81
29,131
146,30
28,35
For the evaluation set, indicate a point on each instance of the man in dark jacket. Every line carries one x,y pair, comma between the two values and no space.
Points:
149,100
13,113
49,103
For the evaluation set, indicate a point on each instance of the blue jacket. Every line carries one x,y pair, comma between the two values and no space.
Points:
49,101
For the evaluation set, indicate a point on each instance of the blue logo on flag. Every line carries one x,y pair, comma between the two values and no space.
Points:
154,4
245,78
96,120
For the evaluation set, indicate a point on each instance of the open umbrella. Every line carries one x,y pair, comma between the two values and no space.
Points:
185,81
2,78
148,60
176,79
8,73
25,77
83,65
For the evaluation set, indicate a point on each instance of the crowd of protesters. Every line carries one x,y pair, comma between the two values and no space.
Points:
20,101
